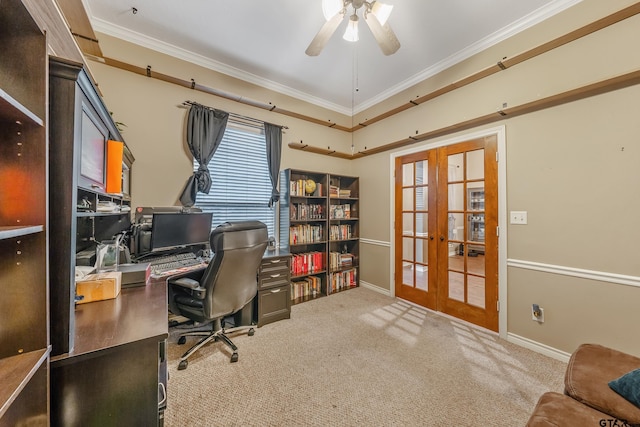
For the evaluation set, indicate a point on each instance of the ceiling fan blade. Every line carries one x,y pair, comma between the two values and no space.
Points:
323,36
383,34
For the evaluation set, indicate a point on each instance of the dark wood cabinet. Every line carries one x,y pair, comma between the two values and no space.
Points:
75,223
24,338
274,288
107,365
116,373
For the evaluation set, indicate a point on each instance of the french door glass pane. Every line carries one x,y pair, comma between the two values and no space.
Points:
407,274
475,198
407,174
421,172
456,286
456,262
422,197
422,226
475,262
407,224
456,226
422,277
455,171
476,227
475,164
407,249
422,251
476,290
407,199
456,197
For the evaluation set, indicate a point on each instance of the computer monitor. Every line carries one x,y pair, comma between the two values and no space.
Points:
179,230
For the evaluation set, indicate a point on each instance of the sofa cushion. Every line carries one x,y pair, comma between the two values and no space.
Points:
628,386
590,369
558,410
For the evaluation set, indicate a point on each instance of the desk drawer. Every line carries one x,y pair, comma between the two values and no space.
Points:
274,264
273,279
274,272
274,304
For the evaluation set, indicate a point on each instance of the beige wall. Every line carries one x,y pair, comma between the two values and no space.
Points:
573,168
151,110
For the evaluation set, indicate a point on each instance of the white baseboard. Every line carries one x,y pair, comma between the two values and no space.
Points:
538,347
373,287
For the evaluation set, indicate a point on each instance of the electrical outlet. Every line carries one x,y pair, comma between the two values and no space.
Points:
518,217
537,313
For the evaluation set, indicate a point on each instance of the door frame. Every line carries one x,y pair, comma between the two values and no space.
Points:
500,133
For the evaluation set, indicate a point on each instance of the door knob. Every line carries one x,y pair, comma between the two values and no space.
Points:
430,237
442,238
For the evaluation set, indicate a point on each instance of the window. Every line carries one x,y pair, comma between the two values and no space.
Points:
241,187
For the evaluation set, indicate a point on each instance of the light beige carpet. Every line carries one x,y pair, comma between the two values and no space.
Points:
360,358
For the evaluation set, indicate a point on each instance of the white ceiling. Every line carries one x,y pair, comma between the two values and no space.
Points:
263,41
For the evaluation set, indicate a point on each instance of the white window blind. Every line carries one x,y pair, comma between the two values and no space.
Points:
241,187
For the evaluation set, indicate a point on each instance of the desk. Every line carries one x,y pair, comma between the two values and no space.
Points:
112,375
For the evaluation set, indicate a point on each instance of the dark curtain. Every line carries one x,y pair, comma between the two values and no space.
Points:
273,136
205,129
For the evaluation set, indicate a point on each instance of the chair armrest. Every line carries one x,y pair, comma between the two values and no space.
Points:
185,282
192,285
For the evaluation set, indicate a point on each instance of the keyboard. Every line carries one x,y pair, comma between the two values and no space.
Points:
175,262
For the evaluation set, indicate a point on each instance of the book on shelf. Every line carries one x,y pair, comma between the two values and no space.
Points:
307,263
308,287
340,211
342,280
343,192
334,191
306,233
303,211
340,232
340,260
298,188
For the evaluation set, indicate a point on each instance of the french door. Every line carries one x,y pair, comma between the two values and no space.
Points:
446,217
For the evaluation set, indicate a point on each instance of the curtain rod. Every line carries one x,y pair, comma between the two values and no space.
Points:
235,115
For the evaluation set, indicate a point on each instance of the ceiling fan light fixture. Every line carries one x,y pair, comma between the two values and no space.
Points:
330,8
351,33
375,15
381,11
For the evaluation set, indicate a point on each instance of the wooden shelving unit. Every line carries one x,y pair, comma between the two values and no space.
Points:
344,232
24,336
314,226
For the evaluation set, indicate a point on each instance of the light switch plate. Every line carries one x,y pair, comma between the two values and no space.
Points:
518,217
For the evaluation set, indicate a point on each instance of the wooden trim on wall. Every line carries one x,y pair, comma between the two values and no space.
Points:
80,26
192,84
578,93
603,86
517,59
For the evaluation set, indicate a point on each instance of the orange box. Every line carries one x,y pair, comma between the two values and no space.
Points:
115,150
99,286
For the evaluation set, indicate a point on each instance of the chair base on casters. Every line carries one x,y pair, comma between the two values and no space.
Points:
217,333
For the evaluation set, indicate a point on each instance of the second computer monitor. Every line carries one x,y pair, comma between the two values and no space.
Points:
171,231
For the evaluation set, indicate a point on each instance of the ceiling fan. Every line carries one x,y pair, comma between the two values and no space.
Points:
375,15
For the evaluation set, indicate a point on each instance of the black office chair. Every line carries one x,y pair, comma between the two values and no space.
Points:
224,287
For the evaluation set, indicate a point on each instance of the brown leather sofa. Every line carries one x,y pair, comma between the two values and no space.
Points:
588,400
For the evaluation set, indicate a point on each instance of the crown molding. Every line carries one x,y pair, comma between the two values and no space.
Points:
518,26
211,64
522,24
